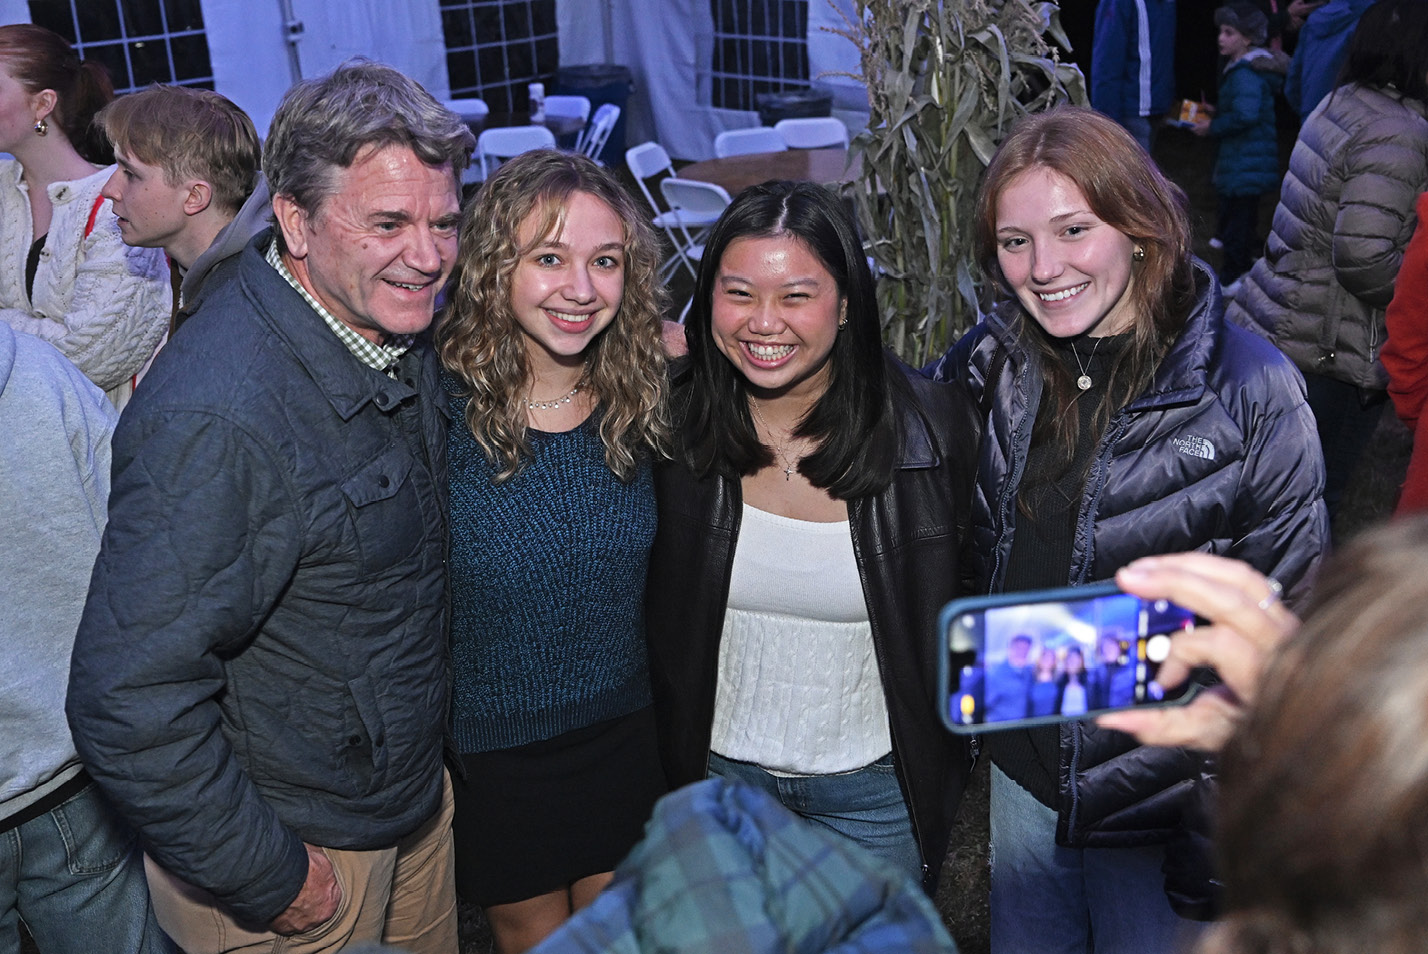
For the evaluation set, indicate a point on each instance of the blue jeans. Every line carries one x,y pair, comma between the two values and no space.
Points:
1047,899
77,879
865,806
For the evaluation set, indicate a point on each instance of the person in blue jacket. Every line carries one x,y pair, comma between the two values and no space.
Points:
1248,162
1124,417
1323,45
1133,63
259,683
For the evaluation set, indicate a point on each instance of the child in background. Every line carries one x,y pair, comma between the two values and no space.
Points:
1248,161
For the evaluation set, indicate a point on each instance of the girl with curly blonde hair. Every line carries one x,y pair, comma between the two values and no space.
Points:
553,365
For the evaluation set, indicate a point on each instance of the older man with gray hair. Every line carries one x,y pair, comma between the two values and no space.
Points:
259,682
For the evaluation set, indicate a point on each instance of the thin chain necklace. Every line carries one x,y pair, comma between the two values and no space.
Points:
552,405
1084,381
779,451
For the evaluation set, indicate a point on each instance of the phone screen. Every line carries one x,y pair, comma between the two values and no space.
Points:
1053,659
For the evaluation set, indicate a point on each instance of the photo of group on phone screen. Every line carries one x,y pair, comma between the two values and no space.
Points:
1062,659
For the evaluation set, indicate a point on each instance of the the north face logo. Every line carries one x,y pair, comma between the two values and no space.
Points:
1194,446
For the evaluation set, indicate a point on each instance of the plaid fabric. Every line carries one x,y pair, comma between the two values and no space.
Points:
377,357
725,868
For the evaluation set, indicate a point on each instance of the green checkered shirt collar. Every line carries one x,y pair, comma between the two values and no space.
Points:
377,357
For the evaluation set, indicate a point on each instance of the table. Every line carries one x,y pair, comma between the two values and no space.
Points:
736,173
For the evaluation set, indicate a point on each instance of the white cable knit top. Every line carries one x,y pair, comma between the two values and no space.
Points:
104,305
798,690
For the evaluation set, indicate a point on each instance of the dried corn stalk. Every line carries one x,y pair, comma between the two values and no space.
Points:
946,79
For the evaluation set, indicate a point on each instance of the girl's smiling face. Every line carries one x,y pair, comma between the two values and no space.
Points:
568,285
775,314
1070,270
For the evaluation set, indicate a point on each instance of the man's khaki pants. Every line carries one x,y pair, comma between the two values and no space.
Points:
404,896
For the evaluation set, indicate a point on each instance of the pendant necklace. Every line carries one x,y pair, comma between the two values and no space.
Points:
788,465
552,405
1084,381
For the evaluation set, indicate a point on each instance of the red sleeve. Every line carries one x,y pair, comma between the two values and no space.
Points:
1405,354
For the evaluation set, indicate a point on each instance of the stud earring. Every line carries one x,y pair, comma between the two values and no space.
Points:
1139,254
843,322
42,128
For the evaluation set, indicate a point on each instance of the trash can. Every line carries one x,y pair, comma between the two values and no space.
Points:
793,104
601,83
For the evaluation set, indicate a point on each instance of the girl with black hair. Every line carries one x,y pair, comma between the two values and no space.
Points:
809,526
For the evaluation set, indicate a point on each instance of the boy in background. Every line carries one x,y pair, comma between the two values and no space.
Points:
187,181
1248,162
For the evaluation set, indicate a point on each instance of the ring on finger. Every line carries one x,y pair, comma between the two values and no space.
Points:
1276,592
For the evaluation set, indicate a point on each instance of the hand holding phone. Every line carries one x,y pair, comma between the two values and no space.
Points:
1023,659
1246,623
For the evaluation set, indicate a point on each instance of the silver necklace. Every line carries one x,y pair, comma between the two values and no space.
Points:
552,405
1084,381
788,464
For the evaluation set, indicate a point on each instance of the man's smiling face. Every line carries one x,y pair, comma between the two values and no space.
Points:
378,249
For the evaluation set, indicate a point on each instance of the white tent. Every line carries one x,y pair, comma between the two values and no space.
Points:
668,46
257,48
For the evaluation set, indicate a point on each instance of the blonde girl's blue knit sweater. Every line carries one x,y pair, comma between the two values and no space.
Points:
547,582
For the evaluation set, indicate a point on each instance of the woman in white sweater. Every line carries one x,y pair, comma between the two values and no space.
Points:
65,274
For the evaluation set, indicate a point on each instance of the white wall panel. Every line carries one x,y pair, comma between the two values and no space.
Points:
14,11
248,46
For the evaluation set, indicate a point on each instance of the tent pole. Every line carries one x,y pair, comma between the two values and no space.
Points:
293,30
608,15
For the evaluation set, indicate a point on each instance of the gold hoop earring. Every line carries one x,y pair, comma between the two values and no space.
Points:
1139,254
42,128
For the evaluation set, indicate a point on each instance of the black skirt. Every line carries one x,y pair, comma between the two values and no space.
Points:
538,817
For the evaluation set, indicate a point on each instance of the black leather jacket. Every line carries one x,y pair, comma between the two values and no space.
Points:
906,540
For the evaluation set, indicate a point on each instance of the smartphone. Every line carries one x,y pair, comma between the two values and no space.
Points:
1045,656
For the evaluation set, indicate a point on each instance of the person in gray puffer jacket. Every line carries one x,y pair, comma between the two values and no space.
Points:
1345,215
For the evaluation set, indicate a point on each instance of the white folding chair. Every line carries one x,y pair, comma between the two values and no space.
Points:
695,199
577,106
570,107
593,138
817,132
742,142
471,110
648,161
503,142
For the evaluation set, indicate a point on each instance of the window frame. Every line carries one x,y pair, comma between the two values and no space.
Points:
532,58
752,44
89,47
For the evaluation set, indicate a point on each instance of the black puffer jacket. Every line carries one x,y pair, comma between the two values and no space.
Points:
906,540
1219,454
